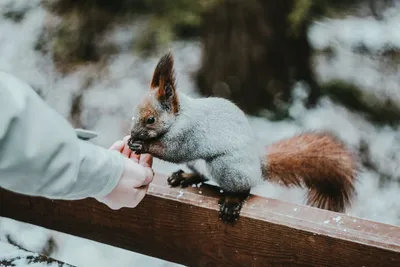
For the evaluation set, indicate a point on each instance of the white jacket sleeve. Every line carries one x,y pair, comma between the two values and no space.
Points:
40,154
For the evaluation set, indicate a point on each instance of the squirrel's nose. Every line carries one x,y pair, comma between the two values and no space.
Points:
136,135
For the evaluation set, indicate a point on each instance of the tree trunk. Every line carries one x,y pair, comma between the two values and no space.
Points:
251,57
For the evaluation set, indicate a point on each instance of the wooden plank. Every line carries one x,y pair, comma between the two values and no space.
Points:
181,225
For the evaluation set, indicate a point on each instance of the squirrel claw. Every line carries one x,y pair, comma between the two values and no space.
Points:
185,183
229,212
176,178
182,179
135,146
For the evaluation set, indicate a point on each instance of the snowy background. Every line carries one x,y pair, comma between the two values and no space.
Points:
112,90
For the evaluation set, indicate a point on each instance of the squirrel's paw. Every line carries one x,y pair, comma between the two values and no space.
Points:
184,179
135,146
176,178
229,211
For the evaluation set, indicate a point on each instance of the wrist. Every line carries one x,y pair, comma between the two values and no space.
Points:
118,166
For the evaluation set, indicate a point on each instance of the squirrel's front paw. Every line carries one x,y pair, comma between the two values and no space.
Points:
176,178
136,146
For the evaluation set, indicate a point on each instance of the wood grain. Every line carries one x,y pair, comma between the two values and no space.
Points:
181,225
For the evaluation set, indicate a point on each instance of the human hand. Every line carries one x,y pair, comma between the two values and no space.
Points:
133,185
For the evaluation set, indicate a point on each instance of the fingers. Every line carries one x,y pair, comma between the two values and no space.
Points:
114,206
109,203
143,177
149,176
125,196
139,195
136,174
126,152
135,157
129,197
146,160
132,200
118,146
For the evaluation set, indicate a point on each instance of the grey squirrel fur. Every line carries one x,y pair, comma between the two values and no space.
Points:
177,128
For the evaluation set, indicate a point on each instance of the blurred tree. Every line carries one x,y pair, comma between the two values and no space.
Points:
380,112
84,23
254,51
249,57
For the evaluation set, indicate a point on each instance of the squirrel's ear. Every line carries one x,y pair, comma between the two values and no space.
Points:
164,73
164,82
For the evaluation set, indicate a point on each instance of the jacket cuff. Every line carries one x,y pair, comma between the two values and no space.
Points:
116,164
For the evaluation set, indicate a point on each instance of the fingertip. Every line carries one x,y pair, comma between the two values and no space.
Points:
135,157
118,145
113,206
146,160
127,152
126,138
149,176
145,188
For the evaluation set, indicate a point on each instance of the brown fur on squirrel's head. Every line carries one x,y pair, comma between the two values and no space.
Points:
159,108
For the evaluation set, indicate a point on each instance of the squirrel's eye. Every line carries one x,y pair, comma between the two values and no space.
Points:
150,120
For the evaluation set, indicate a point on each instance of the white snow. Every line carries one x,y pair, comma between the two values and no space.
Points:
109,101
23,235
19,257
371,72
180,194
72,250
337,219
352,30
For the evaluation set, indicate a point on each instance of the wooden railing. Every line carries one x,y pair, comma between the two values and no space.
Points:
182,226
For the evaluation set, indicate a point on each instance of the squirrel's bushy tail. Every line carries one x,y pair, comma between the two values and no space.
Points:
319,161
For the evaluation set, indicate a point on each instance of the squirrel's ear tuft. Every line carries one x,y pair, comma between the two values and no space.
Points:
164,73
164,82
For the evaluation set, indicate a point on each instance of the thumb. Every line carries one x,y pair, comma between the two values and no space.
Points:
146,160
149,175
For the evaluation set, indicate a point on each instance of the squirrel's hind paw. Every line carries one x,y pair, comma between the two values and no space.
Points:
230,205
229,211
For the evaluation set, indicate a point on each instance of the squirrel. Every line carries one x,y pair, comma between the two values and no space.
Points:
176,128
